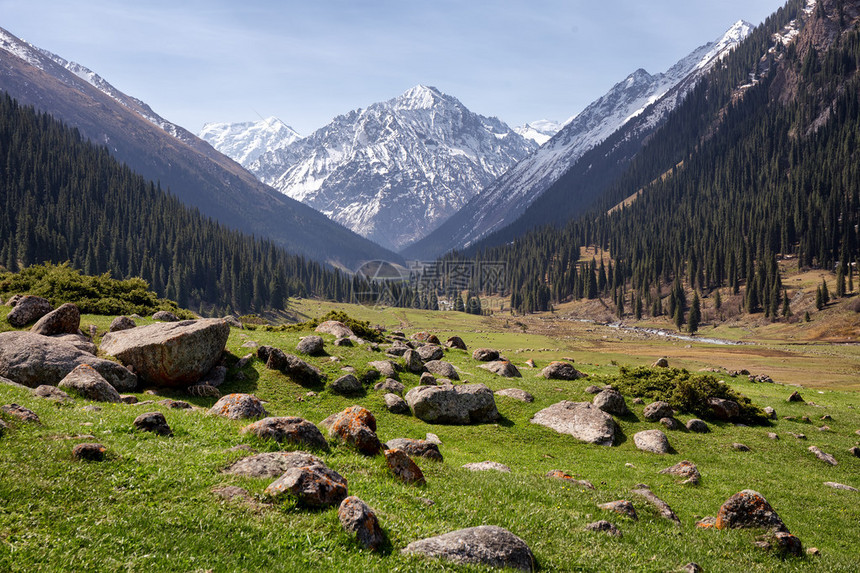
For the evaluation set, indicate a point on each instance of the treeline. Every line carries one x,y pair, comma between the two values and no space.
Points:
730,183
64,199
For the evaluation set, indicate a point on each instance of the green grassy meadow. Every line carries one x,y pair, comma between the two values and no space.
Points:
150,506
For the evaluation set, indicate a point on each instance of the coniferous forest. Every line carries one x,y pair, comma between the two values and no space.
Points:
734,180
68,200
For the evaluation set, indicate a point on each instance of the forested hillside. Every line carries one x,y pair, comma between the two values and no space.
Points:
760,161
66,199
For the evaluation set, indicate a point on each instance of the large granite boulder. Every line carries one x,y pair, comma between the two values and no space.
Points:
483,545
561,371
87,383
64,320
239,407
28,309
430,352
485,354
174,354
335,328
748,509
656,410
653,441
271,464
582,420
32,360
611,401
470,403
312,345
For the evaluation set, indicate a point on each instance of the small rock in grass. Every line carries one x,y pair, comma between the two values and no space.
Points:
288,429
358,518
51,393
485,354
824,457
795,397
813,551
663,507
854,451
85,381
781,542
709,522
724,409
390,385
772,436
740,447
661,363
559,370
427,379
402,466
239,407
656,410
93,408
456,342
698,426
483,545
442,368
412,361
653,441
771,413
346,385
685,469
671,423
638,401
20,412
691,567
128,399
420,448
395,404
313,486
797,436
175,404
621,506
824,429
487,466
592,389
433,438
89,452
564,476
312,345
271,464
516,394
611,402
842,486
748,509
604,527
232,492
153,422
430,352
356,427
121,323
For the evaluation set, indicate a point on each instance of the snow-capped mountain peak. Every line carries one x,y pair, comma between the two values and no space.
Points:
392,171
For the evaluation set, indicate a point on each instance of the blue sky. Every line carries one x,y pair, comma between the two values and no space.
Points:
308,61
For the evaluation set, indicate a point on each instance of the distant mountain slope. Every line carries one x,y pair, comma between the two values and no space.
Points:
246,142
540,131
394,171
641,96
160,150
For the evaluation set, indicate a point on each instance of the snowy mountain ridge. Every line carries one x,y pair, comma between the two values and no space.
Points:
393,171
246,142
505,199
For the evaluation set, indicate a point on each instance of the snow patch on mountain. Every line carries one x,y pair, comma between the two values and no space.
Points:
246,142
394,171
540,131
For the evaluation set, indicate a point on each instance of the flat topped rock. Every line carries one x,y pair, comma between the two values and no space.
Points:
420,448
503,368
560,370
487,466
470,403
582,420
288,429
653,441
311,486
335,328
484,545
271,464
516,394
170,353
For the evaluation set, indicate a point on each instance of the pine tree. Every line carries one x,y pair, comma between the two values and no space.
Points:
718,300
695,314
840,281
825,294
679,317
819,298
786,305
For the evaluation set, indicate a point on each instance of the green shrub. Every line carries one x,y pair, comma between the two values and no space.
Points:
361,328
92,295
683,391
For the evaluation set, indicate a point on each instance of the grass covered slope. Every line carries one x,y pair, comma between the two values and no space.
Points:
149,506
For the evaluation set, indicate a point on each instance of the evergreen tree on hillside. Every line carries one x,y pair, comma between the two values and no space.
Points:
695,315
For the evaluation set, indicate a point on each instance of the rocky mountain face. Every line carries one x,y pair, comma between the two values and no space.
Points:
540,131
647,98
394,171
160,150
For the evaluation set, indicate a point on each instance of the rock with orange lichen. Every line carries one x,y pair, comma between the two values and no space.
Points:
310,486
358,518
402,466
564,476
685,469
289,429
748,509
356,427
239,407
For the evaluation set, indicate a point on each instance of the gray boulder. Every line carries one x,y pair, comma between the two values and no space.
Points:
174,354
503,368
413,361
487,466
470,403
395,404
386,368
346,385
748,509
165,316
234,322
724,409
582,420
271,464
28,309
430,352
335,328
561,371
656,410
86,382
312,345
32,360
64,320
611,402
456,342
239,407
79,341
291,365
121,323
487,545
653,441
51,393
390,385
442,368
311,486
485,354
154,422
698,426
